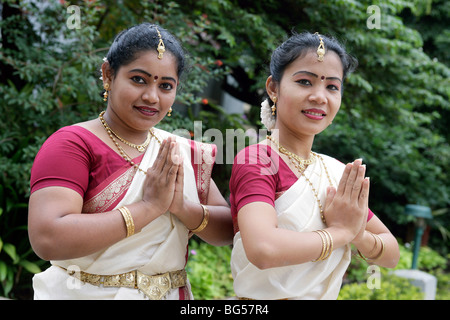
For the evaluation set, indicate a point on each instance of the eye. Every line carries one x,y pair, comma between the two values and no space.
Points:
304,82
333,87
138,79
166,86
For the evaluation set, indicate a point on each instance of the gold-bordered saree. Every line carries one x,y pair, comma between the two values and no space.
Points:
298,210
160,247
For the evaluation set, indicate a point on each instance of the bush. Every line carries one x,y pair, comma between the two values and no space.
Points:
209,271
391,286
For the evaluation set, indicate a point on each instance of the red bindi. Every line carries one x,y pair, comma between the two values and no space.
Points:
156,77
322,78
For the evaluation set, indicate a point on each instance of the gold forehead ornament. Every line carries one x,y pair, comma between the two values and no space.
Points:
161,47
320,49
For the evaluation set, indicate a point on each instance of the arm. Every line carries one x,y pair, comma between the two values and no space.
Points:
219,230
366,245
58,230
268,246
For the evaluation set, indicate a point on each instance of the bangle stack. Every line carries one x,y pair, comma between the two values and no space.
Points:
377,239
327,244
127,217
204,222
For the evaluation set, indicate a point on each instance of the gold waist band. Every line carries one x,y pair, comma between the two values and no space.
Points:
155,287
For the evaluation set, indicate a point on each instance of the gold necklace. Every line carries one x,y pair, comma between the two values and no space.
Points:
121,151
301,164
138,147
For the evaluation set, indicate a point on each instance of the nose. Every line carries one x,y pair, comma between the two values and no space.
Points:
318,95
150,94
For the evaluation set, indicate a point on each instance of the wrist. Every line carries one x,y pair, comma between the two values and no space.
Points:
341,236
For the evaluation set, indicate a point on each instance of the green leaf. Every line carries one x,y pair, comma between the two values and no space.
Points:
3,271
30,266
10,249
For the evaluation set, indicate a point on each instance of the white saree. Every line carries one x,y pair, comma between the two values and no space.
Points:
297,210
159,247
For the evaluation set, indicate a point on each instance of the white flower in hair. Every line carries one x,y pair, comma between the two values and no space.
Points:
104,59
267,119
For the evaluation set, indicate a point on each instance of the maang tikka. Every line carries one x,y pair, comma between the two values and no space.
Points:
161,47
320,49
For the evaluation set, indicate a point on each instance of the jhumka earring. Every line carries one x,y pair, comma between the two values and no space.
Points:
274,107
105,94
169,114
161,47
320,49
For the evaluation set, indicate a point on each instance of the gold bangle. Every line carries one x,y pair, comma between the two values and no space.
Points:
128,218
330,244
204,222
380,254
327,245
323,245
382,249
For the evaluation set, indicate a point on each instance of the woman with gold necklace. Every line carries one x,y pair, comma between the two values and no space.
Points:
114,200
296,212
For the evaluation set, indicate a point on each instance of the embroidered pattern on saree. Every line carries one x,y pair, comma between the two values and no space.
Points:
109,195
204,170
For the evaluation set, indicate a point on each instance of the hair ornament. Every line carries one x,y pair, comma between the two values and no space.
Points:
161,47
320,49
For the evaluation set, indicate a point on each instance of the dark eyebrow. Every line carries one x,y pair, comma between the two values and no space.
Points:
141,71
169,79
316,76
149,75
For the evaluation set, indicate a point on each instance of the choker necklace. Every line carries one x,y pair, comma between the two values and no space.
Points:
301,164
139,147
121,151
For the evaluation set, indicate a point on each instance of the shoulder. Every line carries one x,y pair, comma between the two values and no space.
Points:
256,159
259,154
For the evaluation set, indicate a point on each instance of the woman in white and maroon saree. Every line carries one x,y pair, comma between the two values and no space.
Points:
114,200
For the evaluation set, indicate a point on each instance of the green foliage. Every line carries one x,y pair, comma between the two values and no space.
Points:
209,271
395,112
391,288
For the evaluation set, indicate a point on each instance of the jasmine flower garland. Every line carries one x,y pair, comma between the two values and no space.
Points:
266,116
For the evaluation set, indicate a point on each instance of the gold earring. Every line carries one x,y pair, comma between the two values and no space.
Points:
169,114
105,94
274,107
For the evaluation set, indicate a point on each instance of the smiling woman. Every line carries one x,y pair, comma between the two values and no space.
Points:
110,197
296,212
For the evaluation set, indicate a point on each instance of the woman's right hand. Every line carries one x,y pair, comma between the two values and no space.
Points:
347,207
159,186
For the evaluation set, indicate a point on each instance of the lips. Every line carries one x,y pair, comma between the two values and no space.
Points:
147,111
315,114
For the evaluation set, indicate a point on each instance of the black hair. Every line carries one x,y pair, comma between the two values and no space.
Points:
299,44
143,37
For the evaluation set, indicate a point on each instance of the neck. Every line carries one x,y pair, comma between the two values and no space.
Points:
123,130
299,145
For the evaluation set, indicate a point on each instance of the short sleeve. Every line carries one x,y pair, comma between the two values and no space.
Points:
62,161
254,177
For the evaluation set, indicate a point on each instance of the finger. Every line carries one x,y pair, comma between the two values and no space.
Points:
180,176
356,189
161,157
352,177
343,181
363,200
331,192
